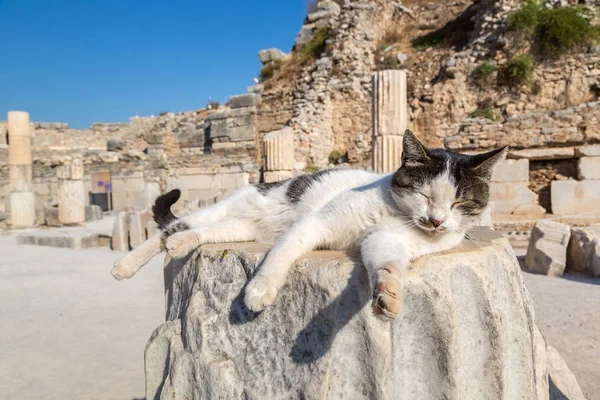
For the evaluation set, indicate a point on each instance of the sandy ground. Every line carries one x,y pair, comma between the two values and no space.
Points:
68,330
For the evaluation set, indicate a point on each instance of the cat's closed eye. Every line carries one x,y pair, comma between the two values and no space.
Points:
463,203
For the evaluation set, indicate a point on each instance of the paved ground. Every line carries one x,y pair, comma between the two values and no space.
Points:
68,330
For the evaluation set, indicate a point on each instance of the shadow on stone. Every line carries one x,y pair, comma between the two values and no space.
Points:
555,393
239,314
315,340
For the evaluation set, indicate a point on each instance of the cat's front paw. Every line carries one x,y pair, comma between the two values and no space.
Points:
181,244
387,297
260,294
122,270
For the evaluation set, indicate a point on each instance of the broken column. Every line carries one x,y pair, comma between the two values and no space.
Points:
547,251
22,199
279,154
389,119
71,206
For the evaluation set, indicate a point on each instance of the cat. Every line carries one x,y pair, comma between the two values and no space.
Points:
426,206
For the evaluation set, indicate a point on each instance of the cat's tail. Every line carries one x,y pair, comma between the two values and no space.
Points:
161,210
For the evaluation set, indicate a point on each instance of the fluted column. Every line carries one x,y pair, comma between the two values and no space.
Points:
22,199
389,119
71,207
279,152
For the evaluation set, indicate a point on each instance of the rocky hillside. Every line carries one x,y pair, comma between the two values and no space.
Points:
481,73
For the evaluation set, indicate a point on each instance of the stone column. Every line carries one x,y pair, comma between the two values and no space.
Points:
279,155
389,119
71,207
22,199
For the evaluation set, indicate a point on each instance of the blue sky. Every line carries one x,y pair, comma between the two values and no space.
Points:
85,61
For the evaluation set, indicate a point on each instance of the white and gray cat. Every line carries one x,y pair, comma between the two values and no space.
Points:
424,207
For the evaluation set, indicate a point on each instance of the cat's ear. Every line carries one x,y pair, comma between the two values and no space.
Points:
483,164
413,151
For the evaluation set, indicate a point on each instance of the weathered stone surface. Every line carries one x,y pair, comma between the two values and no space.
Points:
387,153
73,171
73,198
152,228
93,213
507,196
320,340
575,197
559,153
22,209
583,253
51,216
243,100
529,209
115,145
71,238
120,236
137,227
277,176
588,168
269,55
511,171
279,150
592,150
390,103
547,251
562,383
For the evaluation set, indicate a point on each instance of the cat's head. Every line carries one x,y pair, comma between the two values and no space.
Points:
442,191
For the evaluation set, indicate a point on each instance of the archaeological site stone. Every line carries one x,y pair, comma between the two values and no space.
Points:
508,196
511,171
583,254
572,197
279,153
588,168
137,227
547,251
73,197
120,236
389,119
320,340
22,199
269,55
93,213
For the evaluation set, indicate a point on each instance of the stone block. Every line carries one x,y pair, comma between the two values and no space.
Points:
127,184
22,209
269,55
583,254
507,196
279,150
390,103
547,251
592,150
329,343
73,171
51,216
93,213
120,236
575,197
277,176
137,227
128,200
588,168
387,153
243,100
151,192
73,199
218,115
511,171
70,238
219,128
529,209
558,153
241,133
234,181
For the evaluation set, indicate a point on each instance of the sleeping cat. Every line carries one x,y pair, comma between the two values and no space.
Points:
424,207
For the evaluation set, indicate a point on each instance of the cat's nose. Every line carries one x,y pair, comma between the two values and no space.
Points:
435,222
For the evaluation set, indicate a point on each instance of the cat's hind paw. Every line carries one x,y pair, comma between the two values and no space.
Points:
387,298
122,270
260,294
181,244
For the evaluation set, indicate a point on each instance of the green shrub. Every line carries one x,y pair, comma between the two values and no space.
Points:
517,71
316,46
430,40
268,70
524,21
484,69
561,30
336,156
484,113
